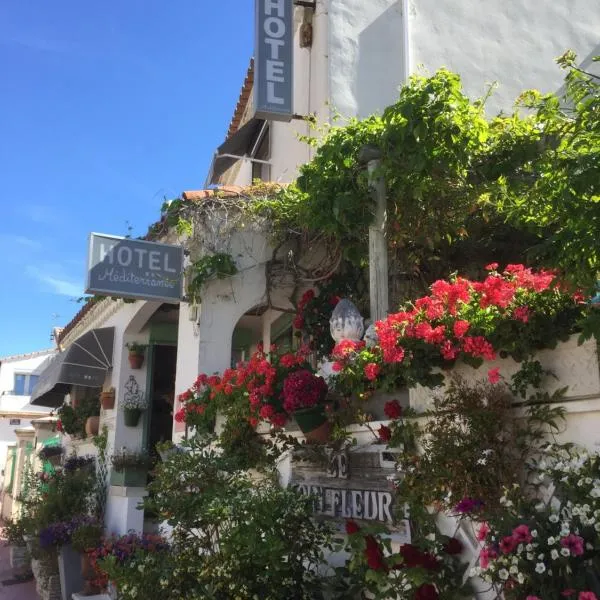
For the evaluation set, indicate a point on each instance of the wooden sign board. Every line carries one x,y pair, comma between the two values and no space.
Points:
357,484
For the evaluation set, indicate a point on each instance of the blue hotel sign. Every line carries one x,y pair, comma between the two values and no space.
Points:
138,269
273,62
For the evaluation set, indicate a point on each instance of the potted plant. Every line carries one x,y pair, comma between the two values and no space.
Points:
85,540
133,406
304,396
107,399
80,419
136,354
166,449
51,454
13,533
130,468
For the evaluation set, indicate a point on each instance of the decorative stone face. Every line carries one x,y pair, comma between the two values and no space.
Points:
346,322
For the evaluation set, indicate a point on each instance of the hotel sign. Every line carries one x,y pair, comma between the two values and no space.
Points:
137,269
273,64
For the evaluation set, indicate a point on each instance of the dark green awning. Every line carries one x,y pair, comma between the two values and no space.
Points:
84,363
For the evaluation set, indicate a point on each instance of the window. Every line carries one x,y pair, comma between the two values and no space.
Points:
263,152
24,384
15,421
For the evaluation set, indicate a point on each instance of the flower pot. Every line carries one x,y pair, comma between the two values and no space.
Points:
131,477
107,400
136,360
69,571
314,424
131,416
92,425
88,575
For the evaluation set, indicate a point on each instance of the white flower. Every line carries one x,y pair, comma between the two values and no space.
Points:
553,518
541,556
551,541
554,554
597,527
530,556
503,574
540,568
565,552
540,506
595,492
482,461
534,533
529,547
513,570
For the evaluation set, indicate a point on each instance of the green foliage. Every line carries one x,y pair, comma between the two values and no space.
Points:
136,348
474,444
72,419
13,532
555,187
87,536
212,266
232,537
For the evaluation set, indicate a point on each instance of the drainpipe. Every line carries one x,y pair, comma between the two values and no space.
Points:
405,40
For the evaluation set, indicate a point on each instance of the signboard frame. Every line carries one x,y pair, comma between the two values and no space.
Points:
281,63
141,296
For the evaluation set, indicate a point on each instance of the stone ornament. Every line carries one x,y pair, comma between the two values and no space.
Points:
346,322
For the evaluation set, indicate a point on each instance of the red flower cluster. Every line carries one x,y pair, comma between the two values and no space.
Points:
414,557
259,381
444,318
374,554
302,389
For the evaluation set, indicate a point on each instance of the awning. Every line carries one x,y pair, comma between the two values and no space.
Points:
84,363
238,144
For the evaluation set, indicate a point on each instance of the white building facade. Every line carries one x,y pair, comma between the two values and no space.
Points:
360,53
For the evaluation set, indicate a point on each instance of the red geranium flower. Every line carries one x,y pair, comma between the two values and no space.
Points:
372,370
374,554
352,527
427,591
392,409
385,433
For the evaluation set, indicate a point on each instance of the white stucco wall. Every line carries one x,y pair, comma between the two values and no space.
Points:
513,42
366,58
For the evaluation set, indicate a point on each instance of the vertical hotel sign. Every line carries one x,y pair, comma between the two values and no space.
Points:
130,268
273,63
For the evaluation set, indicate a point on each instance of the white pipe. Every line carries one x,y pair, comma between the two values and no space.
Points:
406,40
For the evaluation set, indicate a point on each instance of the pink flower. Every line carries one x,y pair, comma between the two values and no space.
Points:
371,371
522,535
491,267
485,556
587,596
494,375
337,366
483,531
574,543
508,544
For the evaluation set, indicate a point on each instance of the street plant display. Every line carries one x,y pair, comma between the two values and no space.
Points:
130,459
73,417
137,352
231,537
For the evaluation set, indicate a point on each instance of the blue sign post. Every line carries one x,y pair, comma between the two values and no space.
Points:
138,269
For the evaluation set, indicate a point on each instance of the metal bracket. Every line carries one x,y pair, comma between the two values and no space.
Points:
306,3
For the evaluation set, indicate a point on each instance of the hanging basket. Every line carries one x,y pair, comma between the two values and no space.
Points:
131,416
107,399
314,424
92,426
136,360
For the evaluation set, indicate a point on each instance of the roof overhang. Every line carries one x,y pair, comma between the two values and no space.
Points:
85,363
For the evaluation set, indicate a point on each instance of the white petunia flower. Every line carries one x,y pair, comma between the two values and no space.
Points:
554,554
553,518
503,574
565,552
540,568
551,541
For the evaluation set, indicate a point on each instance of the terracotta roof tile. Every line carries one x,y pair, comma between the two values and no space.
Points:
242,102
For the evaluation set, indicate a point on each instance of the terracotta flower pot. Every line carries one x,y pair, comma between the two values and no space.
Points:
136,360
314,424
92,425
107,400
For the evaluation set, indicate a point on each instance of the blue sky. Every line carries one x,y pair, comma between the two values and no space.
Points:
105,109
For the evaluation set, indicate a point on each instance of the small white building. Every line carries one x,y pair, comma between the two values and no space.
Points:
19,375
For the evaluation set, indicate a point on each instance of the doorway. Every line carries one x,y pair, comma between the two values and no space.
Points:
162,395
